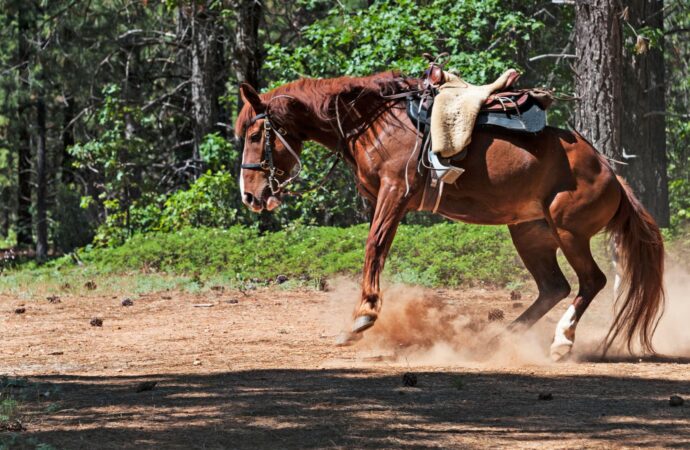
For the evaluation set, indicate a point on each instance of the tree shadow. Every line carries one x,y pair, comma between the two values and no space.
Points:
357,408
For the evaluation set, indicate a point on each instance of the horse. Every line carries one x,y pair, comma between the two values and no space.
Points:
552,189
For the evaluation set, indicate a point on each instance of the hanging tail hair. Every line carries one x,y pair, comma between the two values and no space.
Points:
640,248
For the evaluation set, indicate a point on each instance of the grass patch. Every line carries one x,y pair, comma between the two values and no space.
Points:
444,254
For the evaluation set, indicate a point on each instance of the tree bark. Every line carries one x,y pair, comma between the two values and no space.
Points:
67,175
247,60
41,181
644,106
247,54
598,80
24,223
207,64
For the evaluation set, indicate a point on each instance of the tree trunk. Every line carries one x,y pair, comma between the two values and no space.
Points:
247,57
67,175
41,181
598,80
24,27
207,69
247,54
644,122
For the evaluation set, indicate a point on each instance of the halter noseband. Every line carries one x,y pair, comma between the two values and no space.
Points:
267,165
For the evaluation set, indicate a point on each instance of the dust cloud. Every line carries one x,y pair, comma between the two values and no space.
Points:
672,337
419,327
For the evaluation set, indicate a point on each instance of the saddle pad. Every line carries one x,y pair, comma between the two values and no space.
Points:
530,119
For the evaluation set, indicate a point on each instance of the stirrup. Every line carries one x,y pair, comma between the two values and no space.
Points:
443,169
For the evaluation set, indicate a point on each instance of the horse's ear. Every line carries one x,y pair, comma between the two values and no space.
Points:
249,95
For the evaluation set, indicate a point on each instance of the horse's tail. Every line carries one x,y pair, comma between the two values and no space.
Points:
641,296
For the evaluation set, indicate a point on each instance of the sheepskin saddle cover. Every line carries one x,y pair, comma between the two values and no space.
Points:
455,111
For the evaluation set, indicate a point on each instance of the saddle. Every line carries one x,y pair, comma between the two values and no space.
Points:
520,111
517,111
514,111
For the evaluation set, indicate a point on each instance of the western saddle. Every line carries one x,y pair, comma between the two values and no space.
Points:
517,110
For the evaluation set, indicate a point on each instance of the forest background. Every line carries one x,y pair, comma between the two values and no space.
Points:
116,116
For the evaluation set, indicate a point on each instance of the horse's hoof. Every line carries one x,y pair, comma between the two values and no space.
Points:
362,323
347,338
560,352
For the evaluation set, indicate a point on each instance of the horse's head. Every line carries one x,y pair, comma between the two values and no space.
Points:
270,158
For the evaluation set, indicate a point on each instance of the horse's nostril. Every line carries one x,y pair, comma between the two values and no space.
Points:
248,198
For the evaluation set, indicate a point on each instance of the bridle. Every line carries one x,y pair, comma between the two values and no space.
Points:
267,165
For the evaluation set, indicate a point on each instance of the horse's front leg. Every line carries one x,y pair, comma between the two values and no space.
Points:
390,209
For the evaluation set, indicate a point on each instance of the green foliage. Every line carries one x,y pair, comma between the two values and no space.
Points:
120,157
210,202
448,254
217,152
452,254
677,53
68,221
481,36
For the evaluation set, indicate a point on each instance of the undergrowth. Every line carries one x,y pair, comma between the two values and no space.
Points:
444,254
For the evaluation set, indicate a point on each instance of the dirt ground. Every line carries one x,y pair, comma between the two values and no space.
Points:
260,370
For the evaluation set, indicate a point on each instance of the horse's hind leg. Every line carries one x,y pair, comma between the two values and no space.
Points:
537,247
591,280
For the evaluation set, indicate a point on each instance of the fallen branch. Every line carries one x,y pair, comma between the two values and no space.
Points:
551,55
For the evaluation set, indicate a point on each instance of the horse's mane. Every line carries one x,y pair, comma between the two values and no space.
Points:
319,94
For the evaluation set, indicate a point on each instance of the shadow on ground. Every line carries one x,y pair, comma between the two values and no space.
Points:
357,409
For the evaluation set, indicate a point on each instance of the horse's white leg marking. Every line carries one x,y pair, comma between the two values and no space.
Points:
565,334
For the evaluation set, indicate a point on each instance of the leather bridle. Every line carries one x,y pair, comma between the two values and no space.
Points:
267,164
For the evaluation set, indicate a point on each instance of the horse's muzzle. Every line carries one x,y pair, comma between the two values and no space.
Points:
256,204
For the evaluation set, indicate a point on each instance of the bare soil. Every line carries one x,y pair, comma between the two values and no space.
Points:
260,370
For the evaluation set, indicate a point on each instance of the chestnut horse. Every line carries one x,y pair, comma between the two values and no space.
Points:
552,189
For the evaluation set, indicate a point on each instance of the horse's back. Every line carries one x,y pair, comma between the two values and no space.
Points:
510,177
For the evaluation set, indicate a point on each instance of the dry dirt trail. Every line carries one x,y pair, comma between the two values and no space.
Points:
261,371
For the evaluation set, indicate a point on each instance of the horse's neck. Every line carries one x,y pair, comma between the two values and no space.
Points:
343,133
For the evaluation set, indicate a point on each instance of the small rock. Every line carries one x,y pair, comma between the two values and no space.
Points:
127,302
517,305
515,295
197,362
409,379
496,315
203,305
280,279
546,396
20,310
233,301
676,400
90,285
96,322
53,299
146,386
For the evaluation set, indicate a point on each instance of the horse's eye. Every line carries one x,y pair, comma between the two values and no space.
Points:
256,137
